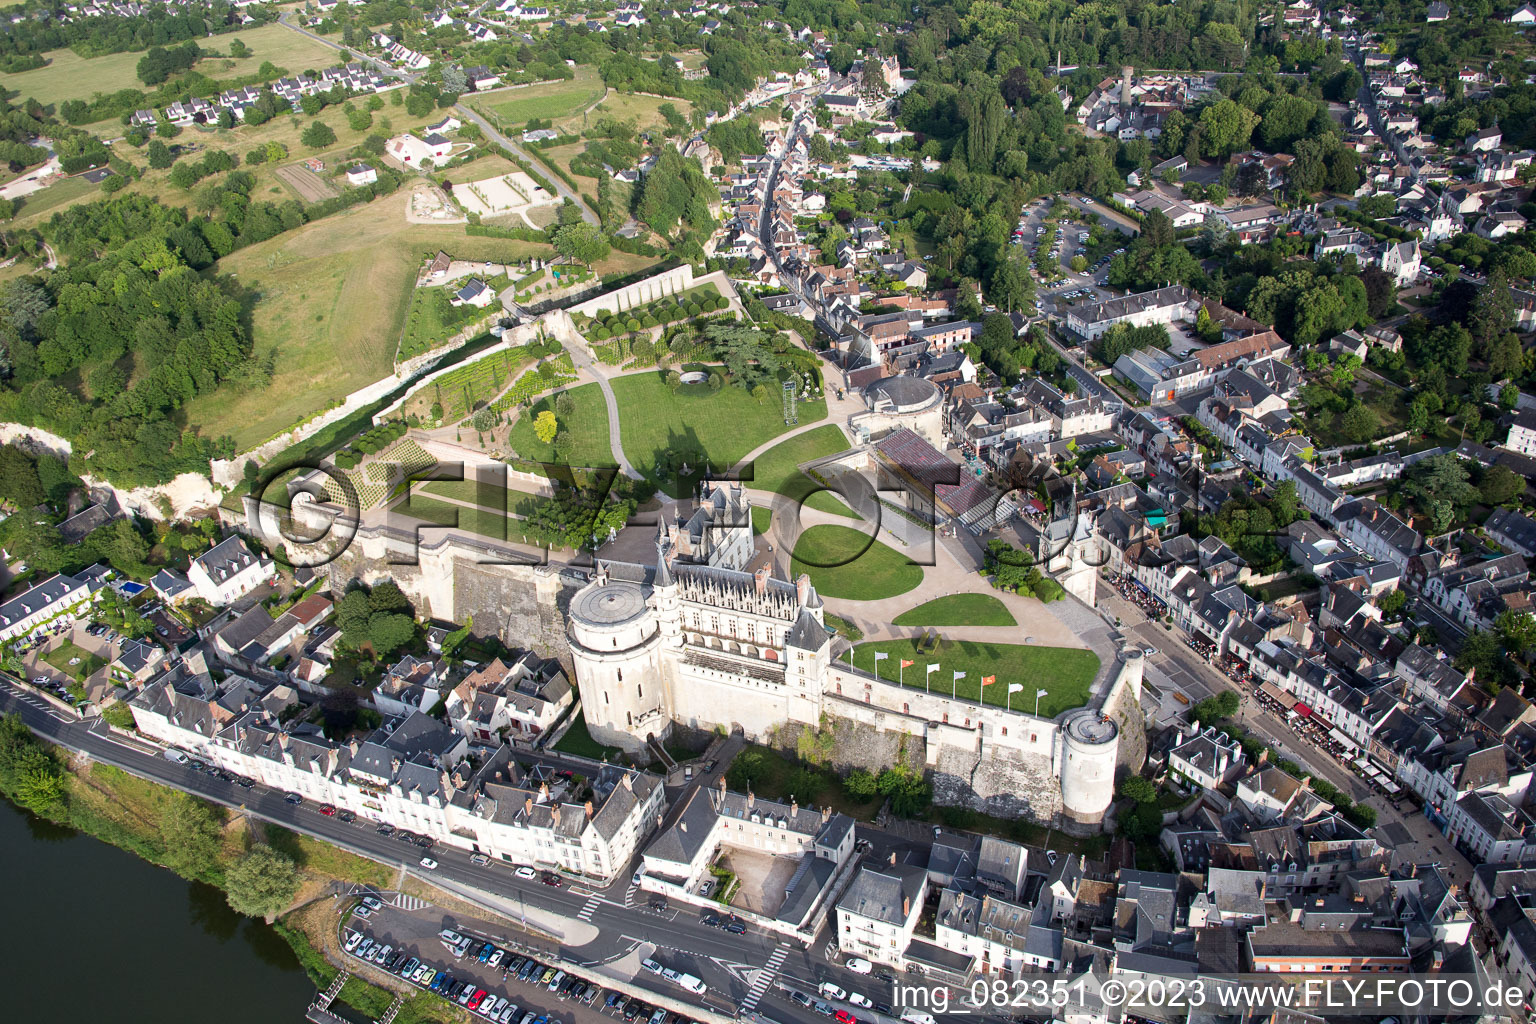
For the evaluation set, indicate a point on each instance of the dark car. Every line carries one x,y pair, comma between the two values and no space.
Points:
346,815
527,969
885,1009
713,920
550,878
736,926
632,1010
441,982
385,829
615,1000
658,903
294,798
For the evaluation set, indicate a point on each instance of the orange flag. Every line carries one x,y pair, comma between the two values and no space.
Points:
905,663
988,680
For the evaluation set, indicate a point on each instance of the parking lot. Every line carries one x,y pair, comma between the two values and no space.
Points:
516,981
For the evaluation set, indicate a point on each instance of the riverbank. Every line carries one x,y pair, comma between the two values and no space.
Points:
201,843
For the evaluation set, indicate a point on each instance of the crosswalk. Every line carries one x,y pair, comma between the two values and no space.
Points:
28,697
405,901
764,978
588,909
629,895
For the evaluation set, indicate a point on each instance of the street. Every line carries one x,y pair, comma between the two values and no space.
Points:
600,924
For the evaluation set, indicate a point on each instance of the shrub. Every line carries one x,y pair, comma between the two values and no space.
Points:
601,334
632,324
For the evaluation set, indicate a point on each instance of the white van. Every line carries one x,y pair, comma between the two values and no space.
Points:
172,754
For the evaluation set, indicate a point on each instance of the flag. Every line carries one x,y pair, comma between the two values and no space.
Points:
1015,688
905,663
881,655
932,669
1041,693
959,676
988,680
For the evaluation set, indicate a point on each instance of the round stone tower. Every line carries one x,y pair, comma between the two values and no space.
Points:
615,645
1089,743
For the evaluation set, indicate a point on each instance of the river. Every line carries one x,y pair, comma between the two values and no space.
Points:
96,933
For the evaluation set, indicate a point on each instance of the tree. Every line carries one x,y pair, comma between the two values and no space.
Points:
1157,229
160,156
1393,603
1493,310
262,883
1225,128
1138,788
861,783
583,243
545,426
1516,630
318,135
1501,484
190,832
388,632
237,49
565,406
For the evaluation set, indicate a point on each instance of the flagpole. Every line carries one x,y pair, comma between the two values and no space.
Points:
901,673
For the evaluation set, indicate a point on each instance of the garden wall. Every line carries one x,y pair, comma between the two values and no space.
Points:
668,282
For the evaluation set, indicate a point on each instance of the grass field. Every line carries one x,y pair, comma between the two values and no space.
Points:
588,427
959,610
497,496
842,562
1065,672
762,519
70,76
483,521
725,425
60,658
332,298
553,101
642,110
577,740
776,469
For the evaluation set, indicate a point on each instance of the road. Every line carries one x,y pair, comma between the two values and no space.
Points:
733,966
561,188
1409,833
1368,103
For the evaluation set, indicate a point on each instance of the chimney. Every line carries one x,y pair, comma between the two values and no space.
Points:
794,806
528,806
751,799
893,858
543,791
722,785
760,578
1306,782
826,814
589,809
906,905
1264,756
554,815
682,826
802,588
629,783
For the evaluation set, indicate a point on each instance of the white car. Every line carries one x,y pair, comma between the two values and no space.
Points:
859,1000
526,872
831,991
353,938
858,965
652,965
372,902
429,863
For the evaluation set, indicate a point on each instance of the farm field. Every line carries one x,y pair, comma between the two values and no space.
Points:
39,206
588,427
70,76
555,100
726,424
845,563
642,110
1065,672
332,299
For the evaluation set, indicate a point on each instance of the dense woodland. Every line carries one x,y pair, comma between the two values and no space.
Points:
93,37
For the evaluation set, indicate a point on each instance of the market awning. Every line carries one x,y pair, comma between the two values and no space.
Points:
1341,739
1279,696
1302,710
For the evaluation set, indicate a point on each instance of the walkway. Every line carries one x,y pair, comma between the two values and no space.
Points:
584,365
943,575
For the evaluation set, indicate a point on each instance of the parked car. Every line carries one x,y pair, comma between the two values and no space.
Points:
479,859
831,991
858,965
429,863
372,902
859,1000
550,878
526,872
328,810
346,816
294,798
844,1017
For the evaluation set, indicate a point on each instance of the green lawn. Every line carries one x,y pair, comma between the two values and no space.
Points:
486,522
762,519
588,427
555,100
577,740
959,610
724,424
842,562
502,497
1063,671
55,197
60,657
776,469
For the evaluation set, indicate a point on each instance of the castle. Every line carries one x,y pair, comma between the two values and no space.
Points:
696,638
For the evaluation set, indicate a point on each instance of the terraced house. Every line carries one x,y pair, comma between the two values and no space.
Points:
414,773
